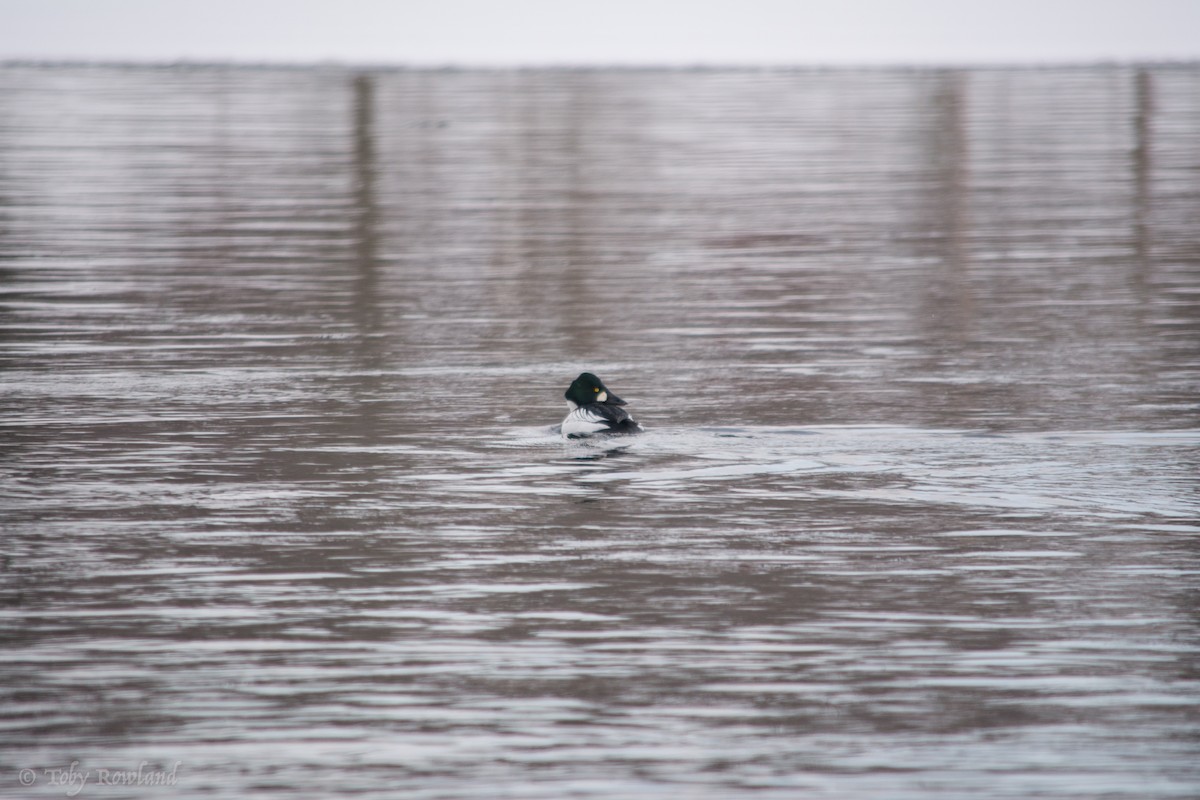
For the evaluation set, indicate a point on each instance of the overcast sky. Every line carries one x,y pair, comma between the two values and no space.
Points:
507,32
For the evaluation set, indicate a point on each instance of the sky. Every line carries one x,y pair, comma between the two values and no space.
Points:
648,32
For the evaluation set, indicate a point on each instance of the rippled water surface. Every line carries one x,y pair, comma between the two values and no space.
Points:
915,515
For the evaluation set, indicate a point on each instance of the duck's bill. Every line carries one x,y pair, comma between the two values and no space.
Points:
613,400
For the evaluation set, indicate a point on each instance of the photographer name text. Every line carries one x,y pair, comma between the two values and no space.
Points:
73,779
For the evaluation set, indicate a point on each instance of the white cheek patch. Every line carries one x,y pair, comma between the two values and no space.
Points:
600,398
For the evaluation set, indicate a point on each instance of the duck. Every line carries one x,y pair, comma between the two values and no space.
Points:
595,409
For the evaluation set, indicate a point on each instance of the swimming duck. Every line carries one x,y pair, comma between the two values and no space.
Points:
595,409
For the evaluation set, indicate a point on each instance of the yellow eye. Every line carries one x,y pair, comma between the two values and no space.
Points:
596,389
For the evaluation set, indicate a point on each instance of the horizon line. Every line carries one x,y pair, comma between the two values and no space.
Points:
568,66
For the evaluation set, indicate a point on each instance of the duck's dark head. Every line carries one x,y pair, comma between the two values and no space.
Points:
587,388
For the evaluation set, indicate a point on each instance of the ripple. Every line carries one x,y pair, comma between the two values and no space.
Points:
914,515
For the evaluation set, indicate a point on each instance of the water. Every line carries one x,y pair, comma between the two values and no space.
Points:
915,516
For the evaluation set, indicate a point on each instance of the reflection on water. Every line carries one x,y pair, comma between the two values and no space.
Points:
915,515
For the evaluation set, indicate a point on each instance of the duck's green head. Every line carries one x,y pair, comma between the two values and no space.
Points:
587,388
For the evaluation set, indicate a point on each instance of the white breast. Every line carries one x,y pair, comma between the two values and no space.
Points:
582,421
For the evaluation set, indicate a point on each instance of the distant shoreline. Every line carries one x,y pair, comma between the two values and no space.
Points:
931,66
